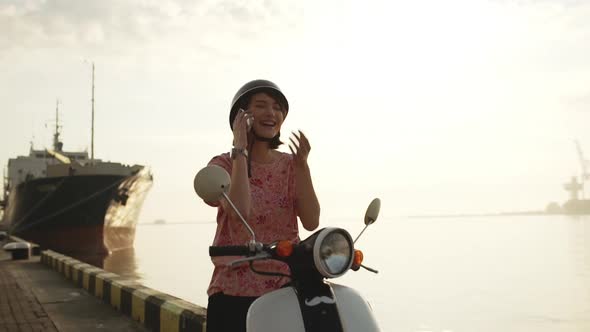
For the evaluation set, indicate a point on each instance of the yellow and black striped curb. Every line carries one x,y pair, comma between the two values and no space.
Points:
155,310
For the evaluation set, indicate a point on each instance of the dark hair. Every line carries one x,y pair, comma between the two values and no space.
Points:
275,142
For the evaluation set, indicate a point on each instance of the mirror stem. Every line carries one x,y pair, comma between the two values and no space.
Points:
240,215
361,233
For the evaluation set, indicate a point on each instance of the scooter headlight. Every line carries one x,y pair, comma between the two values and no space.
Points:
333,252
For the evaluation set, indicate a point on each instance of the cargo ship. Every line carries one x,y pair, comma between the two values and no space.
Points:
72,203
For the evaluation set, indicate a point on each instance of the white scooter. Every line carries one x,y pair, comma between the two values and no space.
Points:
310,303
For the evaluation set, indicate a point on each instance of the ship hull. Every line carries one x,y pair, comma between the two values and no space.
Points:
577,207
90,214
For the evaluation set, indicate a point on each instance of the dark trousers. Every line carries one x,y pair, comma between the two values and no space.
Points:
227,313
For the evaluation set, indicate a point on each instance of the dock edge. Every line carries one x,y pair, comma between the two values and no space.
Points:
155,310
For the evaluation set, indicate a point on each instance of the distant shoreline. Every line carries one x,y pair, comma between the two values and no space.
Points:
498,214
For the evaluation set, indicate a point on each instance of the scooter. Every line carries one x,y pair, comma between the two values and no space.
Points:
310,303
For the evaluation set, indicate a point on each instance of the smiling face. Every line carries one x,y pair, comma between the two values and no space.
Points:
268,115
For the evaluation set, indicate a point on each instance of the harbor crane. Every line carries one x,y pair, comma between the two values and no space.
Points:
584,163
584,176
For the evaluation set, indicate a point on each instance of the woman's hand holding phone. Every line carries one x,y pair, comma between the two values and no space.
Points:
241,127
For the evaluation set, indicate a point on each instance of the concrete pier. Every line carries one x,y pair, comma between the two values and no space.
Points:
153,309
35,298
55,292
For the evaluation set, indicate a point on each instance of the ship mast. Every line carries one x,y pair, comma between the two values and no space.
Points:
573,187
57,145
92,130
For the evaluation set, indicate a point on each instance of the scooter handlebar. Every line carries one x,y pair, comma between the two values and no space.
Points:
229,251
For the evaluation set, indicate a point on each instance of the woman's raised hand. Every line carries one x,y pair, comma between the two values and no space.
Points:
299,148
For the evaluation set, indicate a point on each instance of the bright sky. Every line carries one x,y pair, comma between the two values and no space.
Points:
459,106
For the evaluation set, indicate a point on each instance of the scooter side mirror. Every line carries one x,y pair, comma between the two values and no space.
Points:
372,211
371,215
211,183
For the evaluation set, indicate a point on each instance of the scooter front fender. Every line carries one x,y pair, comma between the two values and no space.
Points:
280,311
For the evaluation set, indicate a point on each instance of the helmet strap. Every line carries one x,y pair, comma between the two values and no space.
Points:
257,137
260,138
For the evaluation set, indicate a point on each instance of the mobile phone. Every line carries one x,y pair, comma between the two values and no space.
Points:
248,121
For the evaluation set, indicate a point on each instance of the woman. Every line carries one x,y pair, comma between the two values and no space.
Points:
270,189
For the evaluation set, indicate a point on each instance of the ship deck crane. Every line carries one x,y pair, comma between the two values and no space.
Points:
583,162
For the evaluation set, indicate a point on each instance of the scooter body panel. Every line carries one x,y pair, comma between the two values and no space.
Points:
280,311
276,311
355,312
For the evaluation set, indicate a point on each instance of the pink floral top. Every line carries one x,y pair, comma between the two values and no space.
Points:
273,217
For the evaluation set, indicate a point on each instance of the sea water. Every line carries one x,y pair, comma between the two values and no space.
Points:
502,273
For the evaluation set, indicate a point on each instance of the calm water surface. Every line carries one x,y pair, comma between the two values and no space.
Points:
508,274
